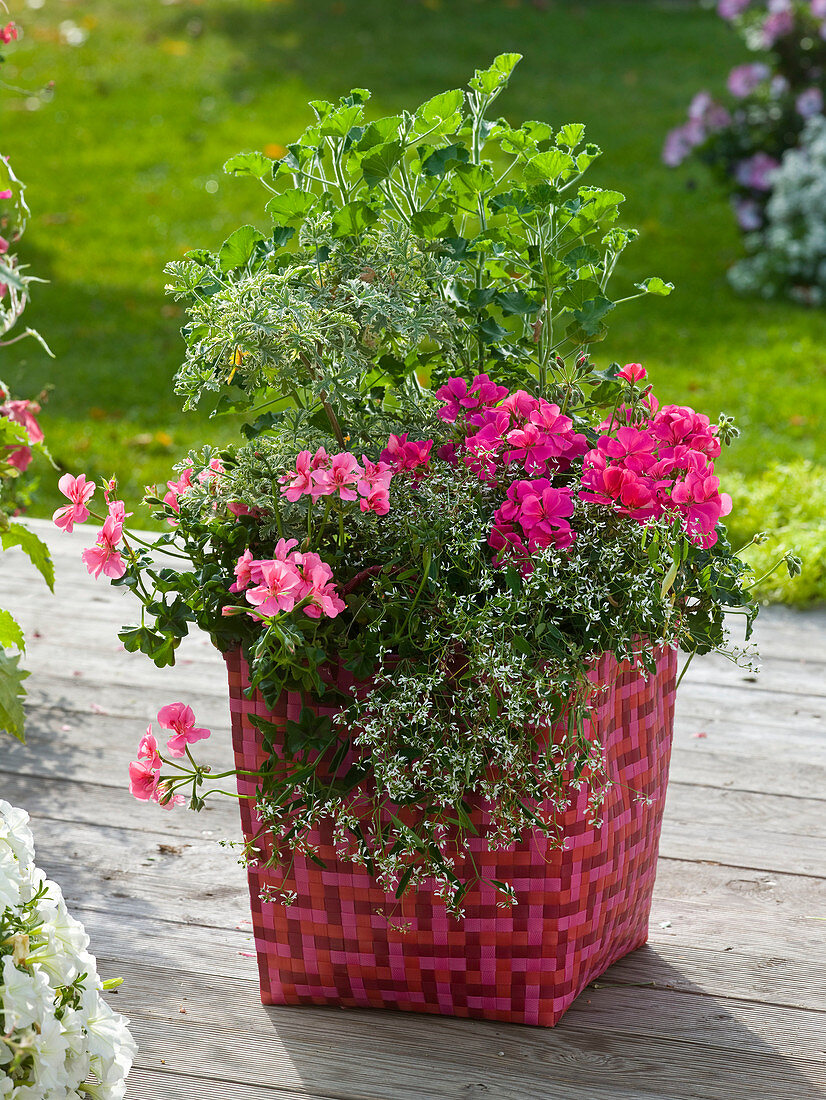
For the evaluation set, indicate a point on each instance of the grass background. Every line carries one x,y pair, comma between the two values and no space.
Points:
124,172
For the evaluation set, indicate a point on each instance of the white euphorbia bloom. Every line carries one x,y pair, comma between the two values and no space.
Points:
59,1039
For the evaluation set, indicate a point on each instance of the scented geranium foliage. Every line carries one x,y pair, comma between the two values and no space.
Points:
744,135
438,492
58,1036
21,437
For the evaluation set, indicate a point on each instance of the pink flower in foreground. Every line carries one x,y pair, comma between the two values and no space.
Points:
8,33
117,510
104,556
377,500
148,749
181,720
401,454
177,489
143,780
4,246
633,372
316,580
298,481
699,499
79,491
341,476
278,589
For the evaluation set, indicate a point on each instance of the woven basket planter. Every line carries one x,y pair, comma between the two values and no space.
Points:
579,909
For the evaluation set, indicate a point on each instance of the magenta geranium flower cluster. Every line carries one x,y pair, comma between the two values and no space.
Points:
648,462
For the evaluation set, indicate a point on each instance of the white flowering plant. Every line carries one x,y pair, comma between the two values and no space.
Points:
743,135
787,256
59,1039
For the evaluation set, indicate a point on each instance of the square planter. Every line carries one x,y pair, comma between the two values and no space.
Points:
579,909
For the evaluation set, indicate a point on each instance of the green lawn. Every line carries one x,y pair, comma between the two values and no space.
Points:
124,173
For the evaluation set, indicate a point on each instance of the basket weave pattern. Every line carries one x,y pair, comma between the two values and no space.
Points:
579,909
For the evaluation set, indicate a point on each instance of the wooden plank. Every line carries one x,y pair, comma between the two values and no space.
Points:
687,957
146,1084
706,762
721,1023
351,1054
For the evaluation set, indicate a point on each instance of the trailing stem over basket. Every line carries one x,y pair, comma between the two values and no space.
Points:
439,495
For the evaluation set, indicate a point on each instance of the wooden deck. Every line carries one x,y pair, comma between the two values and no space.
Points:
726,1001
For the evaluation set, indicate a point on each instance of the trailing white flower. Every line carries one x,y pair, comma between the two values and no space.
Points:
59,1039
789,253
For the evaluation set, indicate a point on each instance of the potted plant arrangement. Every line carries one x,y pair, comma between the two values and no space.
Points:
449,564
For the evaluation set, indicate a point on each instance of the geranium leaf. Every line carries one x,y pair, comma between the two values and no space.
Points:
36,550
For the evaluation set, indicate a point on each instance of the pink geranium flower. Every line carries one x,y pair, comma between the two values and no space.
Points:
79,491
633,372
104,556
7,33
213,471
699,499
177,489
23,413
341,476
180,719
278,590
401,454
298,481
143,780
374,475
377,500
148,749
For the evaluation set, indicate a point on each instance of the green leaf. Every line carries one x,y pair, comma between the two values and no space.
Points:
582,256
489,80
238,247
36,550
433,223
517,302
578,292
441,160
470,180
11,633
12,693
571,135
586,158
291,205
655,285
548,167
339,122
311,731
352,219
379,132
590,316
599,204
380,162
249,164
439,116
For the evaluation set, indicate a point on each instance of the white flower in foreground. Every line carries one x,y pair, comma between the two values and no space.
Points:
59,1039
27,997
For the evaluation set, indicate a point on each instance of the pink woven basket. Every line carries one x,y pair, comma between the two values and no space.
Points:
579,909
